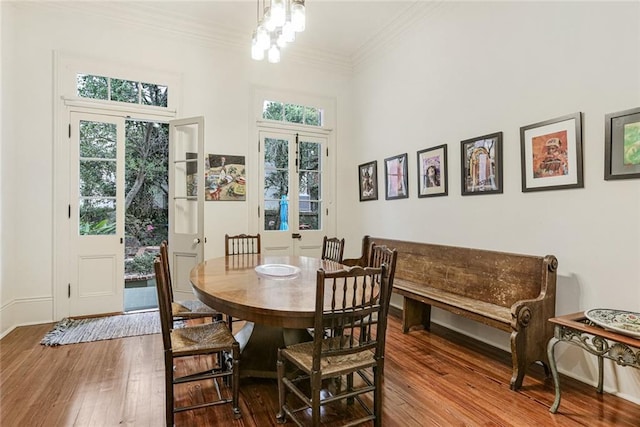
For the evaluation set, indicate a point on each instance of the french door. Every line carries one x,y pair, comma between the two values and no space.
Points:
96,213
186,201
294,193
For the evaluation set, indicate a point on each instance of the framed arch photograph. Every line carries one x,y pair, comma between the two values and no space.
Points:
432,172
551,154
481,165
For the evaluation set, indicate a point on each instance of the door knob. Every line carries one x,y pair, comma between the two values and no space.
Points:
296,236
196,241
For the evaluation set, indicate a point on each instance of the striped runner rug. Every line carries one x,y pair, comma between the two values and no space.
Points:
73,331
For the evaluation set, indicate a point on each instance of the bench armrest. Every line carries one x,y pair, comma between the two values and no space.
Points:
544,303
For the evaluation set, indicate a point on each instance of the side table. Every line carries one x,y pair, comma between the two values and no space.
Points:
576,329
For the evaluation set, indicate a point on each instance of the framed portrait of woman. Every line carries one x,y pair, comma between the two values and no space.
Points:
432,172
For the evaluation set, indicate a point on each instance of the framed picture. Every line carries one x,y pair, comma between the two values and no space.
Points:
551,154
432,172
224,176
622,145
481,165
395,177
368,176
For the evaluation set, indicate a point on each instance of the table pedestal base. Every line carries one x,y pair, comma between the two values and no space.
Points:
259,346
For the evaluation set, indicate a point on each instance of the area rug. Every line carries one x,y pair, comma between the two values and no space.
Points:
73,331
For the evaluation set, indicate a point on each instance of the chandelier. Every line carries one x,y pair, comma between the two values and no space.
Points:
277,26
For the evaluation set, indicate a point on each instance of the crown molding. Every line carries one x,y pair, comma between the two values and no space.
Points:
144,17
387,36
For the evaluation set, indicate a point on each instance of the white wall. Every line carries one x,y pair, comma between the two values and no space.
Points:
218,82
476,68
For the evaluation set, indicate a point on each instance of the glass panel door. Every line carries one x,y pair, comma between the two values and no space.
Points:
96,212
292,199
186,201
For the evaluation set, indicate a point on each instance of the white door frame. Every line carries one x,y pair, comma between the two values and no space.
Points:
186,233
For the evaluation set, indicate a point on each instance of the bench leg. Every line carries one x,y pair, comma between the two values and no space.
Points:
518,358
415,313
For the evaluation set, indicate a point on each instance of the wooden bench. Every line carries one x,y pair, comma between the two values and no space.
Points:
511,292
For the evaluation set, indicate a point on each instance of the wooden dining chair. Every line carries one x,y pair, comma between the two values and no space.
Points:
381,254
209,339
332,249
185,309
241,244
363,261
359,306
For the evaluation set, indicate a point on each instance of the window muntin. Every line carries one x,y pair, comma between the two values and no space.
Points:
292,113
129,91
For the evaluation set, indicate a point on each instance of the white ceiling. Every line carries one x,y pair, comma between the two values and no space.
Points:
337,31
337,26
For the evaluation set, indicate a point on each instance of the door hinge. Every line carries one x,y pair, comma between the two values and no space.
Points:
69,211
258,145
327,151
258,211
121,240
69,291
69,130
327,211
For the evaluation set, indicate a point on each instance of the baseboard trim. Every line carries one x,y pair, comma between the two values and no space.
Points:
25,312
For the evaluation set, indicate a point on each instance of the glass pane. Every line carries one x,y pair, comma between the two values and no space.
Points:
310,219
276,184
97,216
312,116
124,91
309,185
97,178
276,153
95,87
272,110
310,156
293,113
97,140
154,94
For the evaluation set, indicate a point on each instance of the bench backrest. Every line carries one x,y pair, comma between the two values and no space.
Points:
495,277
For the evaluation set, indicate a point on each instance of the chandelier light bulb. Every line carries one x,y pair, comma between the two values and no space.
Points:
298,18
278,13
257,52
288,32
268,20
263,40
274,54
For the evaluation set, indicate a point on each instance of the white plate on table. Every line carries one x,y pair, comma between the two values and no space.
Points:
277,270
623,322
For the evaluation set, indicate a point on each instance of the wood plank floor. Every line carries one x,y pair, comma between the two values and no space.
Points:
431,379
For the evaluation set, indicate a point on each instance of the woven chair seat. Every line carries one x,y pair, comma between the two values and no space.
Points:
191,308
331,366
208,337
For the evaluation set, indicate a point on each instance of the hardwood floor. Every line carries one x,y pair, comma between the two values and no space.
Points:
431,379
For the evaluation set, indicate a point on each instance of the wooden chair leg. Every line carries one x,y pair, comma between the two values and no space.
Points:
235,387
377,395
316,385
281,416
168,375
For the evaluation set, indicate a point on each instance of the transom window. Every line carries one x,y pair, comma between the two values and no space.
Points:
292,113
130,91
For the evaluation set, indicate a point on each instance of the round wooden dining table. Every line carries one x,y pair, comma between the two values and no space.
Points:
277,302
